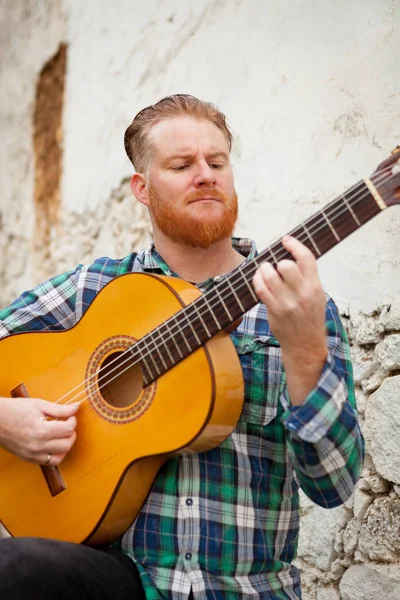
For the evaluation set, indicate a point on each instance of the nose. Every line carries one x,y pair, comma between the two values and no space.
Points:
205,175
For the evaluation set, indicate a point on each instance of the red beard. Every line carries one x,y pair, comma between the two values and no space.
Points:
197,230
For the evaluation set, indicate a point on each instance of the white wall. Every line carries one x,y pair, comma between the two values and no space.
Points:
312,89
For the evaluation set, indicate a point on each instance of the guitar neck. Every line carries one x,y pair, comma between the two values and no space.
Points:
214,311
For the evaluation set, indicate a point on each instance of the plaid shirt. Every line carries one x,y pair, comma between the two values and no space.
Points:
225,522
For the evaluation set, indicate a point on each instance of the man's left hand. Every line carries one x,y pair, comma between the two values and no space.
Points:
296,312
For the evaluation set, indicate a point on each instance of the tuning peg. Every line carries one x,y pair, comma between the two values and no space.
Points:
396,150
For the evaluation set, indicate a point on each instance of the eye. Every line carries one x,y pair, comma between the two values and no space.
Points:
216,165
180,167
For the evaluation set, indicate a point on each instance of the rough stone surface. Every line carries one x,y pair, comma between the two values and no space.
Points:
368,331
120,226
371,582
318,529
390,316
382,429
333,143
361,400
374,381
364,364
350,536
373,482
379,536
362,500
328,594
388,352
349,129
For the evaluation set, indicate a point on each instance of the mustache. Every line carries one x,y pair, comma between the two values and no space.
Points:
205,193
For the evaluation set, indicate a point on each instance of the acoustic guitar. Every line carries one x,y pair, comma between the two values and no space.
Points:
156,375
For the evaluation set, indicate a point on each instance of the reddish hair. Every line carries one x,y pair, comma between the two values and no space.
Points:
136,139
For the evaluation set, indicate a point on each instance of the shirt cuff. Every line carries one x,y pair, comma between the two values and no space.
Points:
311,420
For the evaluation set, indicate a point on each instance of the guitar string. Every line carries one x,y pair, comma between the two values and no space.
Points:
354,200
153,342
191,309
185,318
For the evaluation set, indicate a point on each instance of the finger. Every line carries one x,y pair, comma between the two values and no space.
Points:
261,285
60,429
271,278
304,258
58,446
58,411
55,459
290,274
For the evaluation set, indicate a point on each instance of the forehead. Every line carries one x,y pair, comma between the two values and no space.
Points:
185,134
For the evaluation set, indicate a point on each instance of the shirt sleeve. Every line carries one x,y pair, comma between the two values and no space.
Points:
48,307
323,433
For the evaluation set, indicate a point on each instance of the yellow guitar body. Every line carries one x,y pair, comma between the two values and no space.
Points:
125,430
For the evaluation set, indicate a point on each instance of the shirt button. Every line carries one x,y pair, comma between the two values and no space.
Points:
189,501
188,555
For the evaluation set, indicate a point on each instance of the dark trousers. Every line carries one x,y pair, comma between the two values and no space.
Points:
39,569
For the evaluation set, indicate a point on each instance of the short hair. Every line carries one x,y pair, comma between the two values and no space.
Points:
136,139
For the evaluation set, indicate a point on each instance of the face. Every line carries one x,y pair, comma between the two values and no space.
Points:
189,183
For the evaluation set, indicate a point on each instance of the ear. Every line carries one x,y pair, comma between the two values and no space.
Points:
139,188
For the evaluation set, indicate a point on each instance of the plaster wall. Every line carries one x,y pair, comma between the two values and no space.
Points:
311,89
312,92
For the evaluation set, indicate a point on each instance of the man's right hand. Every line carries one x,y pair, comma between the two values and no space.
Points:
35,429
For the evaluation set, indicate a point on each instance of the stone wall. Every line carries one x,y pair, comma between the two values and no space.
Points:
312,91
353,552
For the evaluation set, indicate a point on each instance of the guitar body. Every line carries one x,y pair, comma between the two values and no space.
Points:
125,430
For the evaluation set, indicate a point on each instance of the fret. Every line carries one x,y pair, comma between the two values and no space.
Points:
160,343
171,358
249,287
147,377
173,338
215,310
211,312
235,294
317,250
157,349
351,211
202,321
375,194
321,232
149,343
182,334
223,304
150,355
194,331
330,226
273,255
363,203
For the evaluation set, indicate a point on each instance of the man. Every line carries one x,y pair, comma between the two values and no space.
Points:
222,524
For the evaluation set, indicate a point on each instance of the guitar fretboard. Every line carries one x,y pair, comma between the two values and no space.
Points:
194,325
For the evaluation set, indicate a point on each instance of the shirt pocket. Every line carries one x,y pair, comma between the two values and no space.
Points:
264,378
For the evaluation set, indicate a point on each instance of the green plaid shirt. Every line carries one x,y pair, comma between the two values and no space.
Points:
225,523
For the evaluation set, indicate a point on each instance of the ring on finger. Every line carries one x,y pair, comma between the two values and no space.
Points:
48,459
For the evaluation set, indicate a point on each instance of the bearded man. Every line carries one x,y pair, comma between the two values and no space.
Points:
220,524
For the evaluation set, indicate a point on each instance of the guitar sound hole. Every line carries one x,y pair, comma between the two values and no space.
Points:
119,385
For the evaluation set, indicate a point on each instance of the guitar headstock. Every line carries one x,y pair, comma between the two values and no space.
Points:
386,178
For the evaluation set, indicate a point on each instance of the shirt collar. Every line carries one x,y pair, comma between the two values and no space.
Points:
151,260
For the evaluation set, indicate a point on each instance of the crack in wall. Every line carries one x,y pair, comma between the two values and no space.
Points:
48,153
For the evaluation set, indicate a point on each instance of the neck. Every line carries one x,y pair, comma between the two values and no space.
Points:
197,264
